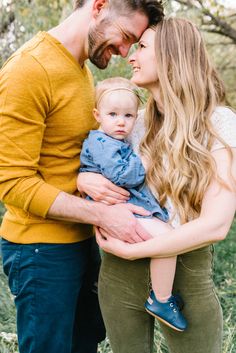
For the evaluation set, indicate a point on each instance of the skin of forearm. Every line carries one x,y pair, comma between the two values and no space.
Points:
75,209
191,236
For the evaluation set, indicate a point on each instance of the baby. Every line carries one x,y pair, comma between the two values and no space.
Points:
107,152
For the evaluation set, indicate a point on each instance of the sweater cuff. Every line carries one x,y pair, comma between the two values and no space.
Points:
43,199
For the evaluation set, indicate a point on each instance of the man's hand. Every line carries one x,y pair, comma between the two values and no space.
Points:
119,222
101,189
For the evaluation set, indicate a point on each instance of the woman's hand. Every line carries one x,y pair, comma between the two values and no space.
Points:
113,245
101,189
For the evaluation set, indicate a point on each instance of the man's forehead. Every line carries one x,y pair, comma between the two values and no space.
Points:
134,25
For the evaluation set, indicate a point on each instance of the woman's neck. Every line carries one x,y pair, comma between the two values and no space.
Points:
156,93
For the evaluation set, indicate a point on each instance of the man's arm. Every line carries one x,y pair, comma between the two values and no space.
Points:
117,219
25,103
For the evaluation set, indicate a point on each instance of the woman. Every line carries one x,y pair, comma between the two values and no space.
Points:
189,150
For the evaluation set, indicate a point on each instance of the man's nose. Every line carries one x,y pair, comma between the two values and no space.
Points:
124,50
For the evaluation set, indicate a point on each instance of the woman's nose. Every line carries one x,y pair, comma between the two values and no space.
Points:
132,58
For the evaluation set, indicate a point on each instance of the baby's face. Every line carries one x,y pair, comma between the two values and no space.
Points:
117,112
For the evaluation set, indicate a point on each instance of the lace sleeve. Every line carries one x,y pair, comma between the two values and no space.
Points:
138,131
224,122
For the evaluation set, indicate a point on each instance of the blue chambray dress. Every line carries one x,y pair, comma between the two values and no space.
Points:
116,160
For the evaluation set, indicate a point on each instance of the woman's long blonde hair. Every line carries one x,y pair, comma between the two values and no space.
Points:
190,91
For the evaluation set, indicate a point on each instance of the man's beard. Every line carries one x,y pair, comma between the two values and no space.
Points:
98,46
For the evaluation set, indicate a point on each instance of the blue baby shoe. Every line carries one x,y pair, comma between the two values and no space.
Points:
168,312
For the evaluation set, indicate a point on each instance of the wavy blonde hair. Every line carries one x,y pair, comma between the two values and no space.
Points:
190,91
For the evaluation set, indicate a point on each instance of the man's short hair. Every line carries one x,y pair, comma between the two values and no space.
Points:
153,9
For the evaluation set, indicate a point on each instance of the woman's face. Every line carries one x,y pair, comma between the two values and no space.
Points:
143,61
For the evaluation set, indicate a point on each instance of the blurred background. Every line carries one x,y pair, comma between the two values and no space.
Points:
21,19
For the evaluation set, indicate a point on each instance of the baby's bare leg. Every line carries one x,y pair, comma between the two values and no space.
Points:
162,270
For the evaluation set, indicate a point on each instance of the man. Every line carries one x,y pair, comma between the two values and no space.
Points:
46,102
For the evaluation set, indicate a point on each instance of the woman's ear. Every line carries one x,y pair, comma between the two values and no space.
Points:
96,115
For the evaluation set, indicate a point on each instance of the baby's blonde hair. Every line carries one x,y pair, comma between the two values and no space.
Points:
115,84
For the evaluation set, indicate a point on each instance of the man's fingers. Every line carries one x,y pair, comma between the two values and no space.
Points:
143,234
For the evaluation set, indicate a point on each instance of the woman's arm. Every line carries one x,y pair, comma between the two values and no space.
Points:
218,209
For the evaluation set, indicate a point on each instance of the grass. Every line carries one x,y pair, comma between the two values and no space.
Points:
225,279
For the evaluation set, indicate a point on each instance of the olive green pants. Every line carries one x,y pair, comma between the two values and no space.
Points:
124,287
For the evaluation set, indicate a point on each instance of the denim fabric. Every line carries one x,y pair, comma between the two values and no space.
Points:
124,287
55,288
116,160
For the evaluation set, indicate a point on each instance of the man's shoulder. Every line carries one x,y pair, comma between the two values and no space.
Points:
22,67
37,53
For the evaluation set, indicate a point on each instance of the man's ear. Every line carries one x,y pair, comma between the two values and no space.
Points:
99,5
96,115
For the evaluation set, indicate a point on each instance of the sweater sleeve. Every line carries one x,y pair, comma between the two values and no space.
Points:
115,160
24,104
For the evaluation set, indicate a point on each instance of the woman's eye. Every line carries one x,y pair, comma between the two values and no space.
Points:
141,45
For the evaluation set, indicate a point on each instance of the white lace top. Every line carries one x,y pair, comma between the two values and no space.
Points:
224,122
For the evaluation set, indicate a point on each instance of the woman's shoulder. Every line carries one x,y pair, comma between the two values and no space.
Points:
223,114
224,123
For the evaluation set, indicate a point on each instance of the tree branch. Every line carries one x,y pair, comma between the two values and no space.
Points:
4,26
222,27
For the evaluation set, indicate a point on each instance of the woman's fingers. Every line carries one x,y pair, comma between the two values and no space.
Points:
101,238
112,245
138,210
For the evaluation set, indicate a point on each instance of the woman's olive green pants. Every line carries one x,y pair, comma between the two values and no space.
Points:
124,287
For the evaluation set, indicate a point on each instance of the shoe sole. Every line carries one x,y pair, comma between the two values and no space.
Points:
164,322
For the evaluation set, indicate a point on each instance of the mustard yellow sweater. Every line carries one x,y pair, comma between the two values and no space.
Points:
46,102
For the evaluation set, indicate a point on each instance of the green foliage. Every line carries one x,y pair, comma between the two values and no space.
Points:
117,67
2,211
217,23
21,19
225,279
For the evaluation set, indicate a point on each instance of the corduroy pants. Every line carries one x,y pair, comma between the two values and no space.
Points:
124,287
